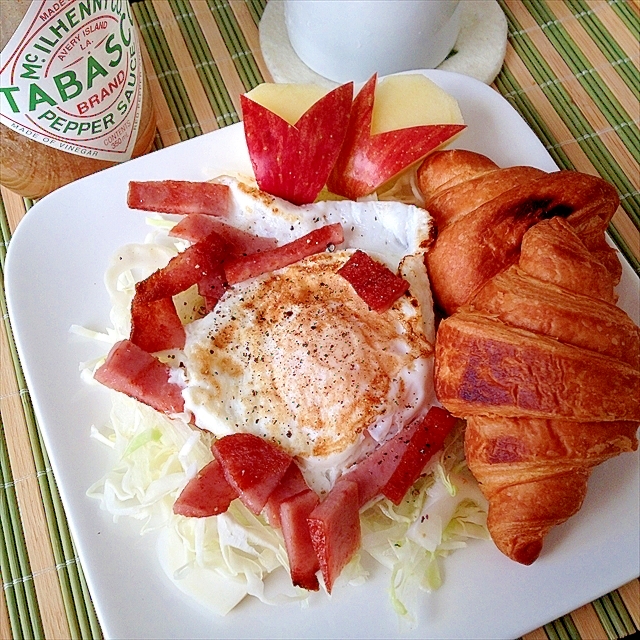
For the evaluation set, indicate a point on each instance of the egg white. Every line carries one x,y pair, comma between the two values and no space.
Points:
385,229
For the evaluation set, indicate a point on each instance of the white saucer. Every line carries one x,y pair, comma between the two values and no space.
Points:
480,47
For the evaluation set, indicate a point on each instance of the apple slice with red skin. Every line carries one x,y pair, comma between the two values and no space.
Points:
367,161
294,161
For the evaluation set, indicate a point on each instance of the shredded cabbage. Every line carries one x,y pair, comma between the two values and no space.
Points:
220,560
156,456
442,511
403,188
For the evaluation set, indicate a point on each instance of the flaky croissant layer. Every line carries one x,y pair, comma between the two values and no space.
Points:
484,366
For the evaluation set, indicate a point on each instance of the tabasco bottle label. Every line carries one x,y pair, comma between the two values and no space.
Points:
71,77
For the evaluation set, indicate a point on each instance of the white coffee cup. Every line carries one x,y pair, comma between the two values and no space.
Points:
352,39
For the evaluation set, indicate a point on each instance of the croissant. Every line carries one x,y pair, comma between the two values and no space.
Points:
518,299
482,215
522,460
535,354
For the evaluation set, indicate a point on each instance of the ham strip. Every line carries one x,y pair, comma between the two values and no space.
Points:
334,526
195,263
196,227
391,470
424,438
212,287
303,561
131,370
155,324
253,466
208,494
180,196
318,536
377,285
395,466
245,267
292,483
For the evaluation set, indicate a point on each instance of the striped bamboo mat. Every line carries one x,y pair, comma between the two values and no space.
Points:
571,71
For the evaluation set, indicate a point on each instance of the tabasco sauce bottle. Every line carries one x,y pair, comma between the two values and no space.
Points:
73,94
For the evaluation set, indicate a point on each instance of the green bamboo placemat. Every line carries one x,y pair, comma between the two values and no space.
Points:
562,59
571,70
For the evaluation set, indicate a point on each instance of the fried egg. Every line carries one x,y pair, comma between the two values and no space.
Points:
296,356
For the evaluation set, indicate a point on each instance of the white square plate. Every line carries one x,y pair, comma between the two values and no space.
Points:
54,278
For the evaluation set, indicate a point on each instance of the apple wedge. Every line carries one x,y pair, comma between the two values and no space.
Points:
294,161
411,100
367,160
288,100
